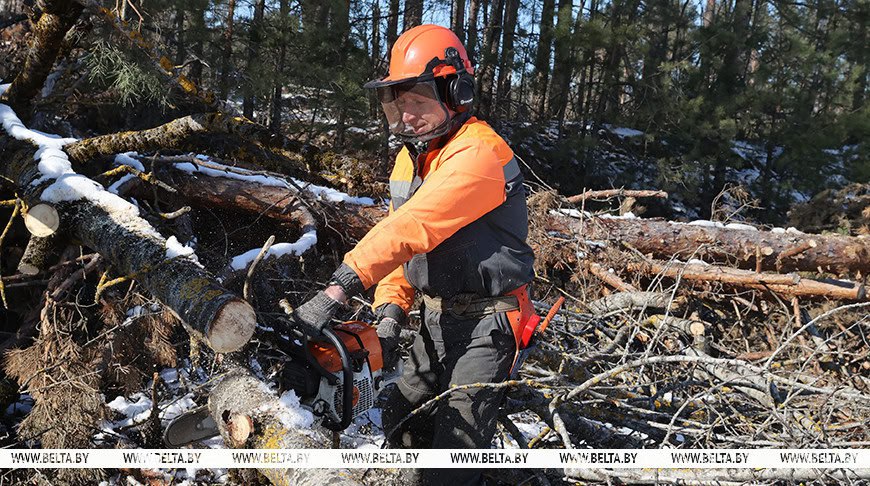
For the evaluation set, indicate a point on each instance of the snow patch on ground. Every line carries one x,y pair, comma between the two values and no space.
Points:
623,132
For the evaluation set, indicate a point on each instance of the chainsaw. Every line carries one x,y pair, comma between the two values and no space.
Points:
337,380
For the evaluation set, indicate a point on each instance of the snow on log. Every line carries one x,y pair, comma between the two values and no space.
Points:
251,143
112,226
781,251
250,415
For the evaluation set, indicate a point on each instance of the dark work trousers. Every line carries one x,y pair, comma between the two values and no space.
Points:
451,350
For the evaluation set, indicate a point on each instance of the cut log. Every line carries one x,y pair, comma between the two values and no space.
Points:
217,316
37,253
249,415
42,220
840,255
277,203
789,285
112,227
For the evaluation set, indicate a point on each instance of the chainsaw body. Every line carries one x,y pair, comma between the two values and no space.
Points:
337,379
317,373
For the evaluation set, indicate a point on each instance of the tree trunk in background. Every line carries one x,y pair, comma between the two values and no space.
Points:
413,14
561,60
503,91
277,100
542,57
198,30
457,19
226,62
392,26
490,57
376,55
658,23
709,13
180,51
861,17
255,37
471,44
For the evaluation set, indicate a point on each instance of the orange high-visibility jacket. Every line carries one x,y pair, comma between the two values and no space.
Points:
458,223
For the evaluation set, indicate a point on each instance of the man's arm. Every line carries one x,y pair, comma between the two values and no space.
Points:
469,184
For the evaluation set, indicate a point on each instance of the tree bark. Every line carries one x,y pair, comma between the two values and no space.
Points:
471,43
759,250
37,254
277,100
392,26
562,65
542,56
490,58
112,227
57,17
226,62
255,38
788,285
180,46
503,92
262,148
457,19
249,415
413,14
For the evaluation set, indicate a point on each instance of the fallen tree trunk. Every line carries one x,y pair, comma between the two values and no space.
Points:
252,143
249,415
113,227
790,284
743,248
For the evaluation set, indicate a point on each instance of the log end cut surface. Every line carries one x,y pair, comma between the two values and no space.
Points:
42,220
233,326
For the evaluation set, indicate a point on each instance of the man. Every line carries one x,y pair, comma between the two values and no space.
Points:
456,233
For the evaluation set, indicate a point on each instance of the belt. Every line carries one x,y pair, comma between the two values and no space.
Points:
472,305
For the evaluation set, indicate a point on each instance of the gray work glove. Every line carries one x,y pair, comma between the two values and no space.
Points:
316,314
391,319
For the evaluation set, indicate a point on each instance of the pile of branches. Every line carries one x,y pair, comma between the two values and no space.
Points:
677,335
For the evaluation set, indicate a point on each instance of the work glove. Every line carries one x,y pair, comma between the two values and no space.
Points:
316,314
391,319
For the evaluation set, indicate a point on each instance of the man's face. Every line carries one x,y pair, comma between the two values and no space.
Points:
420,112
414,110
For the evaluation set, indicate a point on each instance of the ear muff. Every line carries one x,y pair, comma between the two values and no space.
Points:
460,93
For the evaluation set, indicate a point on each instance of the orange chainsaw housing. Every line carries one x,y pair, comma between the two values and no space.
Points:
351,334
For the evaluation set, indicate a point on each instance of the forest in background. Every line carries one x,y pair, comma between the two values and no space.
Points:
775,87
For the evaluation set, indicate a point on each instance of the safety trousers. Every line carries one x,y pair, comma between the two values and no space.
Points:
451,350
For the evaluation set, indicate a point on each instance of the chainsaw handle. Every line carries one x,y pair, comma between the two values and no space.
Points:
347,382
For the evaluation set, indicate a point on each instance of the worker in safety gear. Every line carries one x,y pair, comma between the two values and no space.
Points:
456,236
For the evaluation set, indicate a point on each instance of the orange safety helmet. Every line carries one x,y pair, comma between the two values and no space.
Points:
429,73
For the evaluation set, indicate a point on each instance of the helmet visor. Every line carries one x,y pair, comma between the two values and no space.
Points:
414,110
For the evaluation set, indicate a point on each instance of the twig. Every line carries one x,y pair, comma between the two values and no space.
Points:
15,209
246,291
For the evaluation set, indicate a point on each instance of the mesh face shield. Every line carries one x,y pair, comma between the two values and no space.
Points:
414,111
